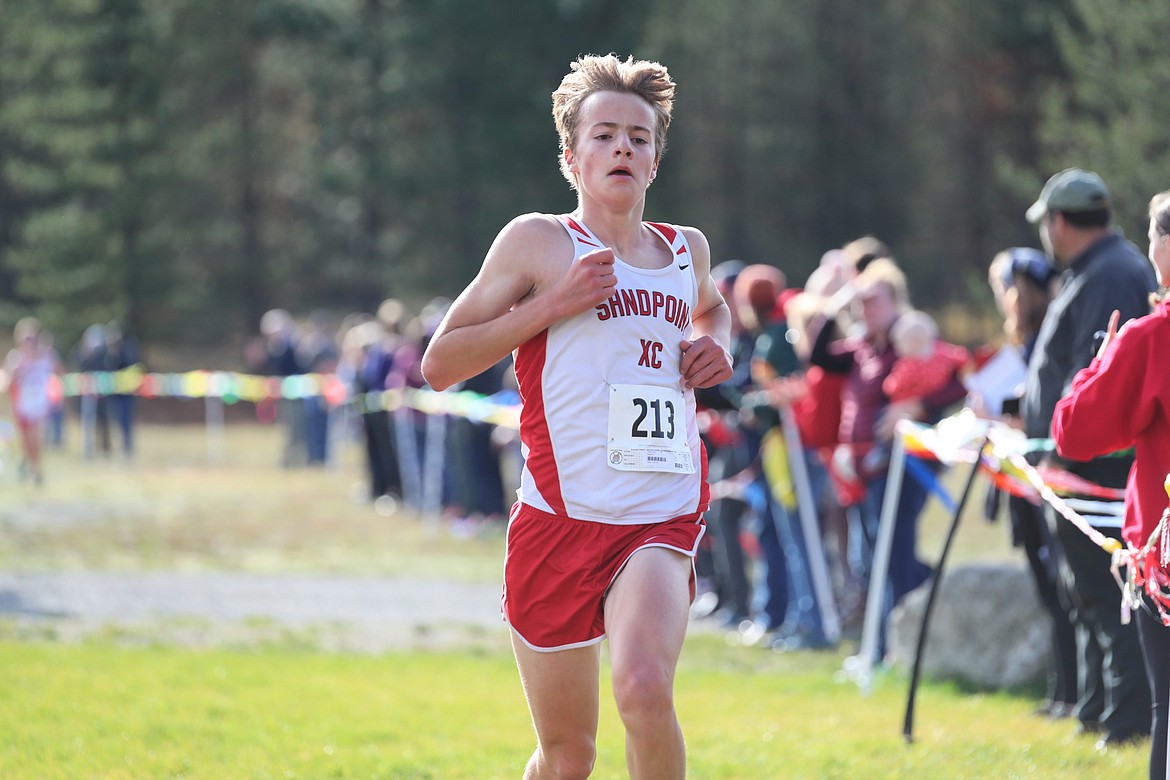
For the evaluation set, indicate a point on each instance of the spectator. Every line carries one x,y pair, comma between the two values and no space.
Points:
925,364
369,351
775,360
1122,400
866,423
317,353
818,413
280,360
754,298
30,366
394,318
90,357
477,486
1104,272
815,399
55,424
410,425
728,596
864,361
121,353
506,439
1023,281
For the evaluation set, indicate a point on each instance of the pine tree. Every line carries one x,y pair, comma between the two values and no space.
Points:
52,175
1110,114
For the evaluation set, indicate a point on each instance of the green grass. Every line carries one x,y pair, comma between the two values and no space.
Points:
172,508
107,711
120,704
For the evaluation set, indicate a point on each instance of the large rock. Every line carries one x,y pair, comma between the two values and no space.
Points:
987,628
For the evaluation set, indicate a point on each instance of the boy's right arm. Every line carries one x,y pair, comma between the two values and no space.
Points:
526,284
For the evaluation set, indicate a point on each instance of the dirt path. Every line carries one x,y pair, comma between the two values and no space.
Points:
361,614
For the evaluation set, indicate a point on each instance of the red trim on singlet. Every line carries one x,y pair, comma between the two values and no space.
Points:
542,462
588,239
704,485
667,231
670,235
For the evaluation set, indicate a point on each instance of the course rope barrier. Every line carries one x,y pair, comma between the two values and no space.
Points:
1146,570
1036,479
231,387
1083,503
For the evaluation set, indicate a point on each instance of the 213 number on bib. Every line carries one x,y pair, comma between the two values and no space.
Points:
656,431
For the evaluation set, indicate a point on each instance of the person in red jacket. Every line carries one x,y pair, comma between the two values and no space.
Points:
925,364
1122,400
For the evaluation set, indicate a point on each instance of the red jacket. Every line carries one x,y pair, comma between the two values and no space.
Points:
1123,401
913,378
818,414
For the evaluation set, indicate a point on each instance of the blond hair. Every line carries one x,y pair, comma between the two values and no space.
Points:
1160,216
800,310
886,272
26,327
914,328
1160,212
860,252
592,73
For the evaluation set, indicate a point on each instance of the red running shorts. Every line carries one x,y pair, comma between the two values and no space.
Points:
557,571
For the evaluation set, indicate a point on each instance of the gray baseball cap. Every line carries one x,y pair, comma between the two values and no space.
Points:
1070,190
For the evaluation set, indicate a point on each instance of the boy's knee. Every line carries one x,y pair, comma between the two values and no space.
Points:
570,759
644,692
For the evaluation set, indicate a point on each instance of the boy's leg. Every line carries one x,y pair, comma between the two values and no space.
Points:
646,621
562,689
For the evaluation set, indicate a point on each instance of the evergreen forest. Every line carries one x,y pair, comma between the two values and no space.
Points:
184,165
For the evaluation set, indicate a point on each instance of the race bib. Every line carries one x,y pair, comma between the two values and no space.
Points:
647,430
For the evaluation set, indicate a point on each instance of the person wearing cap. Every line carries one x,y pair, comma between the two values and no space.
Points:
1102,272
1024,280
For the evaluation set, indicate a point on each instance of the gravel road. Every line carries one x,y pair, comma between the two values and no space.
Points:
362,614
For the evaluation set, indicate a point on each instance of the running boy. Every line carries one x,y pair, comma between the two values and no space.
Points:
613,322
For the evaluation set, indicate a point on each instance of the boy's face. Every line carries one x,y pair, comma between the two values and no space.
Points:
615,149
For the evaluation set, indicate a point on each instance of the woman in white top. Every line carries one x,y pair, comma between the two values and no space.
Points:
30,367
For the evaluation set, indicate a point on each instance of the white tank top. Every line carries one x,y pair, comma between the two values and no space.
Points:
614,370
32,379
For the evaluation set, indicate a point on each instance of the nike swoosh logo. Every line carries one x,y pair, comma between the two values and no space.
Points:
684,267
